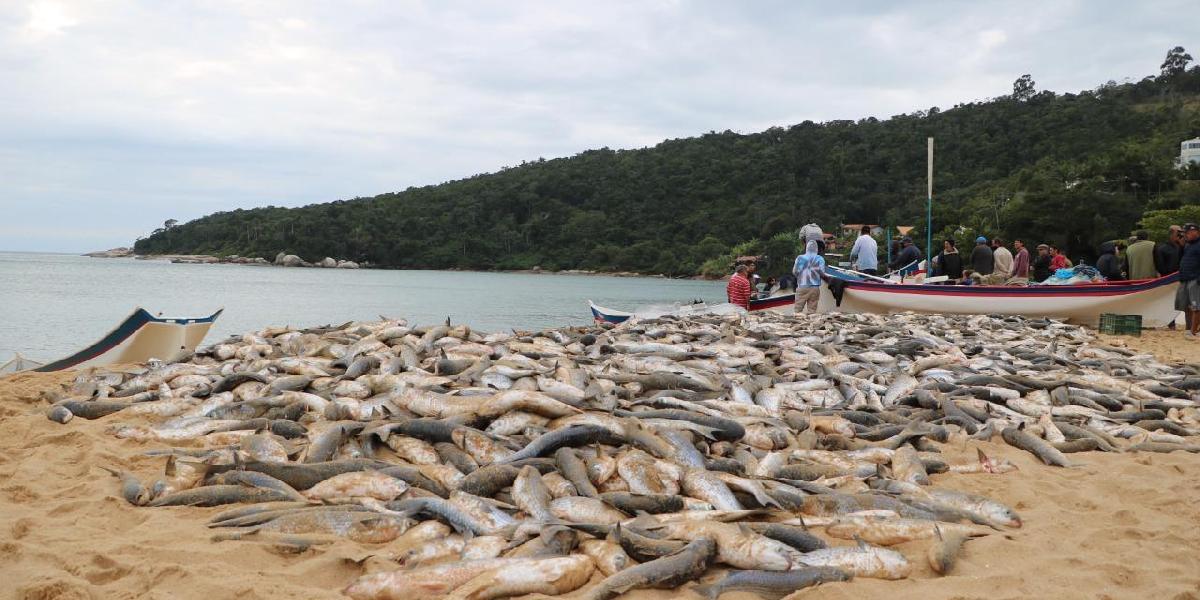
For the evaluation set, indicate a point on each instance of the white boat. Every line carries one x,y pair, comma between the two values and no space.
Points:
1152,299
140,338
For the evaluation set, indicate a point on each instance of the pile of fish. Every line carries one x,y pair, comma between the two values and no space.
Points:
788,451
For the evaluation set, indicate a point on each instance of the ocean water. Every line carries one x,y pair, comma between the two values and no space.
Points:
52,305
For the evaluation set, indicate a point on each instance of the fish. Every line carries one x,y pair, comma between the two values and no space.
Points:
532,495
132,489
608,556
737,545
549,576
861,561
650,450
944,552
667,572
1018,438
358,484
889,532
772,585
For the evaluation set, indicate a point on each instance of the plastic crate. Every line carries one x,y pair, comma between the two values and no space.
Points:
1121,324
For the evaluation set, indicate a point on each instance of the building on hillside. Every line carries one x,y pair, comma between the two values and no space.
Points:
852,230
1189,152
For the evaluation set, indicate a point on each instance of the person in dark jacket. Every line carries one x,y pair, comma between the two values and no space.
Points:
1108,264
905,259
1167,254
982,261
1187,299
1041,263
949,261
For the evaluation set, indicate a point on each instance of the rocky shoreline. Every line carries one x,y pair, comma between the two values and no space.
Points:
281,260
291,260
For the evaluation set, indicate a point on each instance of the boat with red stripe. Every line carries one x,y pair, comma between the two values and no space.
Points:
1152,299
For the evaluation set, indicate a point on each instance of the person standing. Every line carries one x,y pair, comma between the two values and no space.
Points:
1041,264
864,256
1167,254
907,258
738,288
1139,258
1002,266
809,270
1020,261
1108,264
949,261
1187,299
982,262
752,275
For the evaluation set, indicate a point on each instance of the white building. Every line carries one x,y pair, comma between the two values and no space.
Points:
1189,152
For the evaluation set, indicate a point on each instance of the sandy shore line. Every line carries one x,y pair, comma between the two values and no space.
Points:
1118,526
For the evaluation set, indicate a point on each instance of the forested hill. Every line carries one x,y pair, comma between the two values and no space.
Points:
1073,169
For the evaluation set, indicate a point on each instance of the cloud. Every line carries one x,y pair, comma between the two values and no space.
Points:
117,116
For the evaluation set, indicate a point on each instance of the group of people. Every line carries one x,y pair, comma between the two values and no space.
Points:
992,263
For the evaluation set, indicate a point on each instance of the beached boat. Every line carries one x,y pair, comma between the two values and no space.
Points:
1153,299
139,338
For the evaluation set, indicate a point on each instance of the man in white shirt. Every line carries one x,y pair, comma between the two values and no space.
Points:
864,256
1003,261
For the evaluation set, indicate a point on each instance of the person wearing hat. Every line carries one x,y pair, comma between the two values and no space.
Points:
906,259
1041,263
1187,299
982,262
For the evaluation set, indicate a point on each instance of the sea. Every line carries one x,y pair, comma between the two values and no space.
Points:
52,305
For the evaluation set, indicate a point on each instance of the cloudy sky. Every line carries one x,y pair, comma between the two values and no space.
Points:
119,114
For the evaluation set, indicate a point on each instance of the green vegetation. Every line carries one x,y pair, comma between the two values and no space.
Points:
1072,169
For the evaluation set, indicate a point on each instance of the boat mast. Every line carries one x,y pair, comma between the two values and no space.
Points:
929,213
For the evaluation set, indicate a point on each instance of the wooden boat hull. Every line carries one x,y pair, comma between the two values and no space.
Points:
139,338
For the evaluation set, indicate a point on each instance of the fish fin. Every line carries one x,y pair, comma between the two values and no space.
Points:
708,591
803,525
938,530
984,461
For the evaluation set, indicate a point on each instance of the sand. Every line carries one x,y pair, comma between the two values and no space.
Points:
1169,346
1118,526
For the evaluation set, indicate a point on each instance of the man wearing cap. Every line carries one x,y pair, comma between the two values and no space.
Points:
1187,299
1167,254
981,257
1041,263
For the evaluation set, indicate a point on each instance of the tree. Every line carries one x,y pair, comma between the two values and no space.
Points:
169,223
1023,88
1176,62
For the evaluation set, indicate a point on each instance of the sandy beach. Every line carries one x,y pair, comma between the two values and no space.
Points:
1117,526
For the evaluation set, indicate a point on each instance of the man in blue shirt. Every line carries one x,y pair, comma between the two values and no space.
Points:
1187,299
865,253
809,270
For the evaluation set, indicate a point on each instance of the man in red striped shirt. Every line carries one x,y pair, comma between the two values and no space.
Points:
738,289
